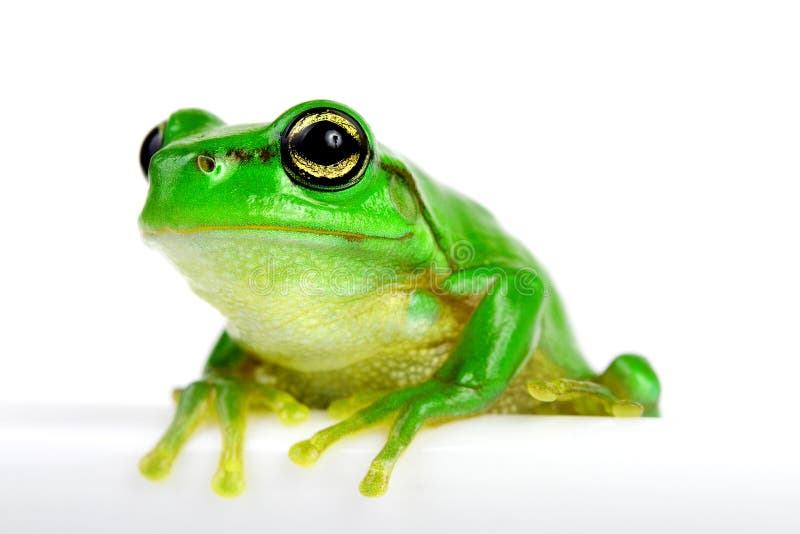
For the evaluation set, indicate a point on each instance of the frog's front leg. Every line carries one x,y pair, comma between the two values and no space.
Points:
494,344
228,388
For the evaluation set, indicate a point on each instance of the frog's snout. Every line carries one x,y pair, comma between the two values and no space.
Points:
152,143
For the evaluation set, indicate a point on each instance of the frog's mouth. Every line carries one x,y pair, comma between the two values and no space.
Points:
349,236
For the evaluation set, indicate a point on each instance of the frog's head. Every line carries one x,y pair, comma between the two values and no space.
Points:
314,177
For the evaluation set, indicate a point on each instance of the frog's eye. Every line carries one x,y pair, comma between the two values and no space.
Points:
152,143
325,149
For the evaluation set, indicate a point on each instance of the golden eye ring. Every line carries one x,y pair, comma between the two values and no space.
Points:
325,149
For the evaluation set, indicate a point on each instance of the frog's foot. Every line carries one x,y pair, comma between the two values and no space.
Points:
230,399
601,400
347,406
630,377
628,388
413,406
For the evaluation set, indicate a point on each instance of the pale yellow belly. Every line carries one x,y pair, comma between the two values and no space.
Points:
309,332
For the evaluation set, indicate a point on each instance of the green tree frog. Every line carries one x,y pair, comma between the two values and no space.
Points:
352,281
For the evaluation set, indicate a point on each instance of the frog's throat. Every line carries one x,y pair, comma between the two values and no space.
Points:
350,236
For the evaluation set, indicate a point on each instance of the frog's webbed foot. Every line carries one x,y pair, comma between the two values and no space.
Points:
601,400
412,406
228,398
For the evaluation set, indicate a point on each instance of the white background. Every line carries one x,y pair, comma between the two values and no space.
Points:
648,154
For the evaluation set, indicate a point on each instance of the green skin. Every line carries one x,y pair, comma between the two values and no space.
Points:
393,300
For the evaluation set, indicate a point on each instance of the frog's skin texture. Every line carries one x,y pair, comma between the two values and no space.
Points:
352,281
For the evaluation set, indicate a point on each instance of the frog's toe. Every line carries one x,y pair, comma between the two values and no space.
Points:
228,482
289,410
304,453
341,408
156,464
627,408
347,406
375,482
543,391
294,414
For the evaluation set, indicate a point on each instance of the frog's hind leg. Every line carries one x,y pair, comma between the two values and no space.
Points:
628,388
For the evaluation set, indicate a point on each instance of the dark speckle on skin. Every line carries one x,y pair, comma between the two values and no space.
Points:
265,154
239,154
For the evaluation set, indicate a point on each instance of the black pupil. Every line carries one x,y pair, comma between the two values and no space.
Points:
325,143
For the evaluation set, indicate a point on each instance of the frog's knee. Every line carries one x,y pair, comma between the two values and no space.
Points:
630,377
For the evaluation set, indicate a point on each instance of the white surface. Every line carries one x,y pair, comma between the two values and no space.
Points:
647,153
75,468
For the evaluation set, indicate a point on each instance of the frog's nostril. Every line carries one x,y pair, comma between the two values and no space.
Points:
153,141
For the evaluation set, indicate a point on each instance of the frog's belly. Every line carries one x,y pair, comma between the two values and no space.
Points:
320,305
325,332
